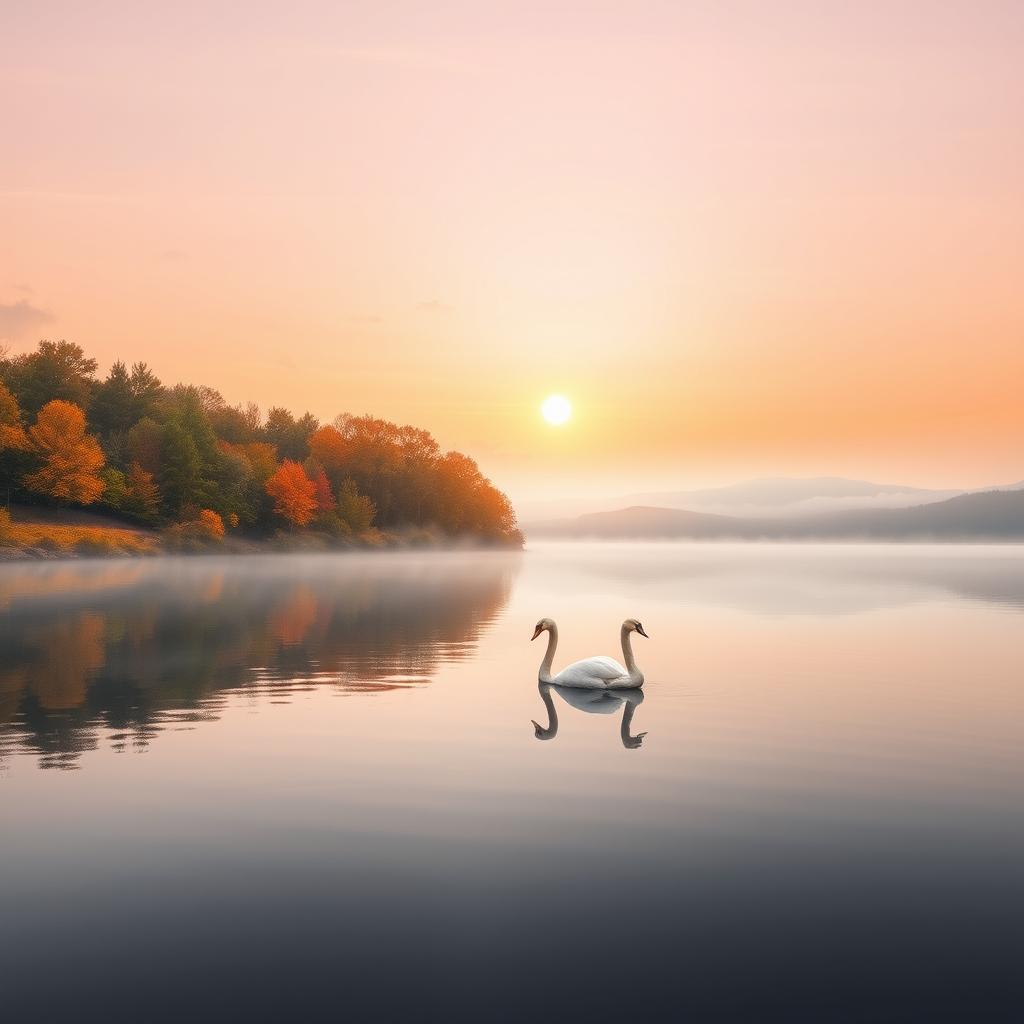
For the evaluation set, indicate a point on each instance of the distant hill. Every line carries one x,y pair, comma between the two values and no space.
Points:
985,516
768,497
784,496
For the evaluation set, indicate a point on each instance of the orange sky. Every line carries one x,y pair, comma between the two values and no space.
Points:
745,239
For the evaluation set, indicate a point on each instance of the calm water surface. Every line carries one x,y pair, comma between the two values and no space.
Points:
291,787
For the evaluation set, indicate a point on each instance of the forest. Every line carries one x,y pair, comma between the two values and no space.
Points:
183,460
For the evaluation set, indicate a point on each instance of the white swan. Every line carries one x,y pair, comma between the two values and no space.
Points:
598,673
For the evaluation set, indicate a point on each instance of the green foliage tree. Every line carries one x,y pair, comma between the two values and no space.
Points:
290,435
354,509
115,489
57,370
112,404
181,480
124,398
145,445
236,424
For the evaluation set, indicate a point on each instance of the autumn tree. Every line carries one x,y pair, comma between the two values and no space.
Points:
71,459
10,413
143,495
330,451
293,492
211,523
14,443
325,501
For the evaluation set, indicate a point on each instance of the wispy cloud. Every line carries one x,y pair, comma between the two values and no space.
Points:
19,318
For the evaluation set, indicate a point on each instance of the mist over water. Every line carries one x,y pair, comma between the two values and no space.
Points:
282,784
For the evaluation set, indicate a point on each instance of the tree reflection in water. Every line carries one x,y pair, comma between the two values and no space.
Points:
128,649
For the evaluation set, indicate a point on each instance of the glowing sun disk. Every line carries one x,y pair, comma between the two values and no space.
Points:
556,409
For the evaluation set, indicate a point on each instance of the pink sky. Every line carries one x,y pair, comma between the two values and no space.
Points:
742,238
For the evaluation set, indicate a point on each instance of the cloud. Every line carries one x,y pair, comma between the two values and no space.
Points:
19,318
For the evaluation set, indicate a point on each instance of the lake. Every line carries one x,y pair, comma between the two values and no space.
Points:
291,786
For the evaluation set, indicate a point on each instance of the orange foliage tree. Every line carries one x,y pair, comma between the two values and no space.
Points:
211,524
293,492
71,458
11,434
143,495
329,449
13,440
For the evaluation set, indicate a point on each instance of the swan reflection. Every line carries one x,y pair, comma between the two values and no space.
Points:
592,702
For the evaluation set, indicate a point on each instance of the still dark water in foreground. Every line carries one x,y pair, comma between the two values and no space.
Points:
291,787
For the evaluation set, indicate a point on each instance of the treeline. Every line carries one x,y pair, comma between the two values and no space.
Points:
182,458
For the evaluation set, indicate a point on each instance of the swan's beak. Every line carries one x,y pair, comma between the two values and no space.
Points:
640,630
537,632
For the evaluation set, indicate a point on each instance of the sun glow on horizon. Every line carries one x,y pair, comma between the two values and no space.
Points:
556,409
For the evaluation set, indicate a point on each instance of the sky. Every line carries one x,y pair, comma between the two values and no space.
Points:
744,239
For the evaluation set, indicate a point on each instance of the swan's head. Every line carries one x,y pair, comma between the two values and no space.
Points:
542,732
542,625
634,626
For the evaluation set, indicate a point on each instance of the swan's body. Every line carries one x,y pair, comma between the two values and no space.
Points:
599,673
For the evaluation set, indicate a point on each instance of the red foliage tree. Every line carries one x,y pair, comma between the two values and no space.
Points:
325,501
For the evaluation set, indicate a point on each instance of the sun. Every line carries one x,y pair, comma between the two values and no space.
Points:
556,409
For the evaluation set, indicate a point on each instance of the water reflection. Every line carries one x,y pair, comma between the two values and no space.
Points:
143,647
793,579
591,702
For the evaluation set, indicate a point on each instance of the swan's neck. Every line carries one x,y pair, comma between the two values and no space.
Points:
627,652
627,721
549,655
549,732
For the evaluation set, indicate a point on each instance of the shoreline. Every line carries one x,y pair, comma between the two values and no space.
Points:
20,554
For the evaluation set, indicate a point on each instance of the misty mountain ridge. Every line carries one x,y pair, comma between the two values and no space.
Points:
765,497
981,516
793,496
